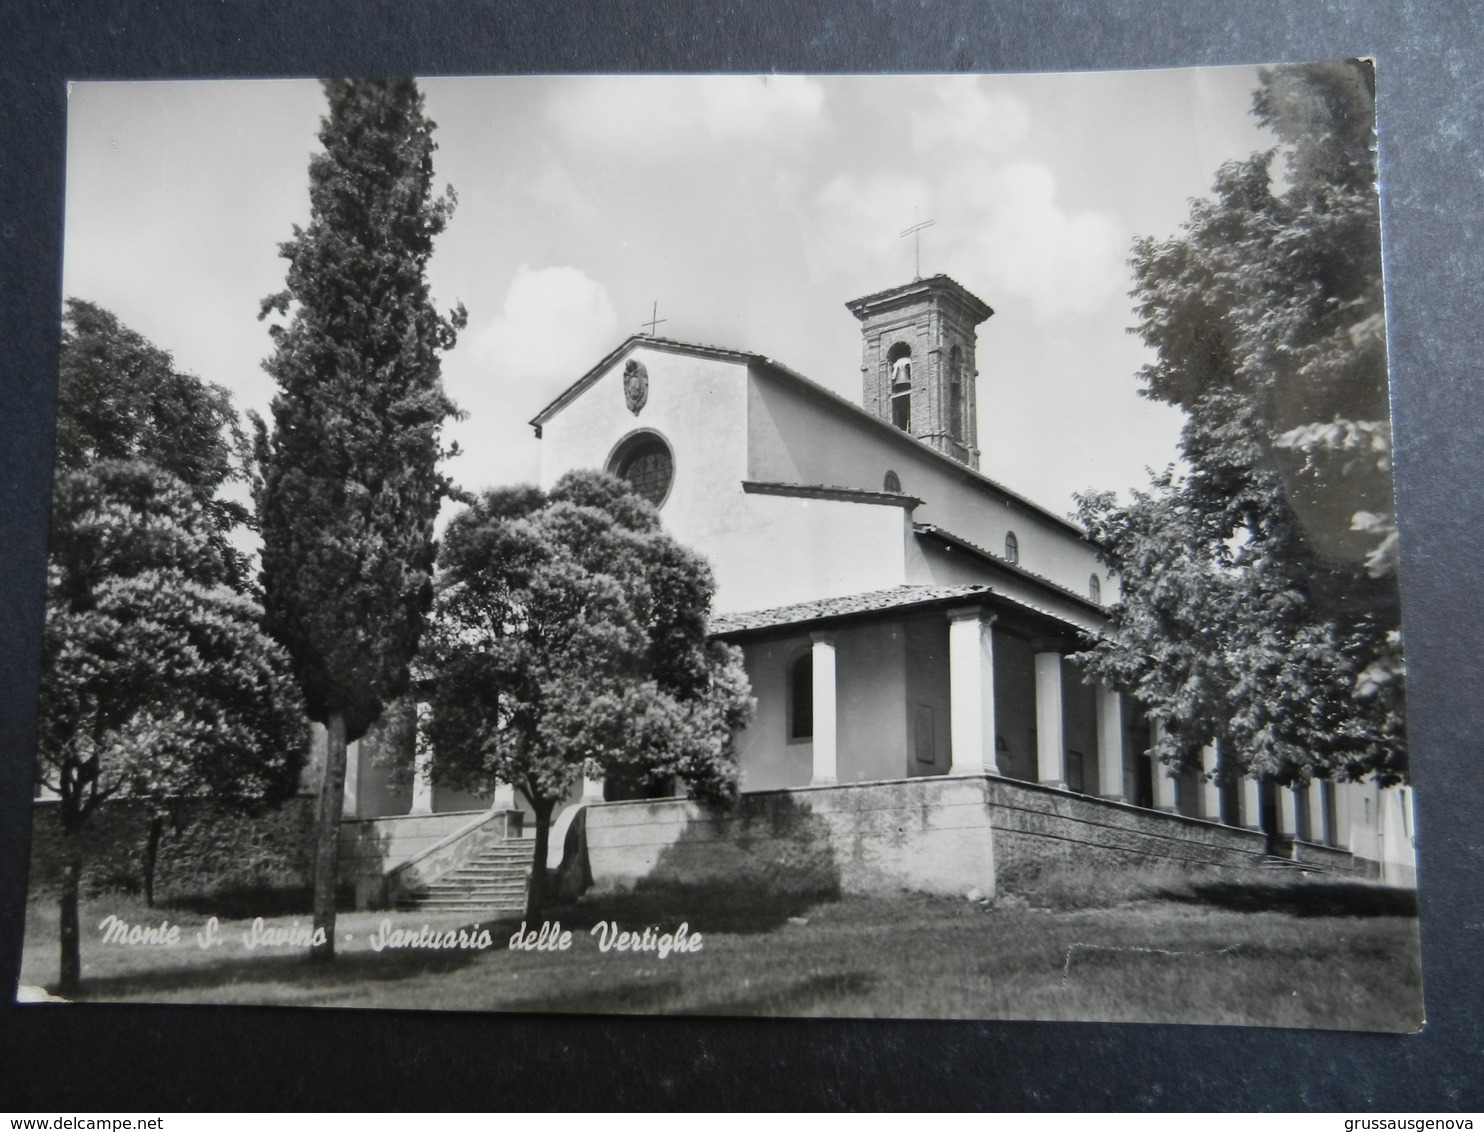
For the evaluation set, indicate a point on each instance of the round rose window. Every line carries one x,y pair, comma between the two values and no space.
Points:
646,463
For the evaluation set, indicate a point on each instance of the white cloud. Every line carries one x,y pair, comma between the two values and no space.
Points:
660,114
555,192
1022,242
555,323
854,224
963,116
999,227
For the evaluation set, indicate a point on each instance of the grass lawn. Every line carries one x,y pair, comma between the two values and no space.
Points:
1301,952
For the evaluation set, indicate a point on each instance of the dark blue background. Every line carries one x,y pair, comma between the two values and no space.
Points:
1430,87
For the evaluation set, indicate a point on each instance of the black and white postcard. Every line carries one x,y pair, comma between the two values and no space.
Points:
900,547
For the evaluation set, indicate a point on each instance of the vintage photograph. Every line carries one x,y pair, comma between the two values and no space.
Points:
866,546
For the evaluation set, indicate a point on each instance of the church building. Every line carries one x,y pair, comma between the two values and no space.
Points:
906,624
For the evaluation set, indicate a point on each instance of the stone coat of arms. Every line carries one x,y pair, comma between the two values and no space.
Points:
635,385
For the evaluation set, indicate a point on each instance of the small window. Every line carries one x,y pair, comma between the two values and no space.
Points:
892,483
801,697
1012,548
1095,589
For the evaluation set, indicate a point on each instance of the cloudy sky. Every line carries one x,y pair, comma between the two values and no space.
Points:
749,209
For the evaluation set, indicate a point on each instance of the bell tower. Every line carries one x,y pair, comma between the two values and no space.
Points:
918,370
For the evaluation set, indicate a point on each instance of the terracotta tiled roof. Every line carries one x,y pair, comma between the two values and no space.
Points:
898,597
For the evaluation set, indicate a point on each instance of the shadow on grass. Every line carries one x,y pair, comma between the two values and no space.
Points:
246,902
292,970
1308,899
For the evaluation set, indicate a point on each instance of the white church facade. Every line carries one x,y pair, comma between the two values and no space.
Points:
906,624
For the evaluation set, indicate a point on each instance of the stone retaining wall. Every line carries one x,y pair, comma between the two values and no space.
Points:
1327,857
949,835
922,834
1039,830
374,846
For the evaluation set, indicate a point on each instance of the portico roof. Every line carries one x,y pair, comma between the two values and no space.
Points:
898,597
829,611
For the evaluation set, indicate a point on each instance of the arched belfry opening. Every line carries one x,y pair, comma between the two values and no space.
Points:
918,364
899,364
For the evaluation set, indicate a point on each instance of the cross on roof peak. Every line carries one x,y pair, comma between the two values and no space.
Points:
654,319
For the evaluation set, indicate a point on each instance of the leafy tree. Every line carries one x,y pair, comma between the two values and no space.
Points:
119,397
570,635
158,683
158,680
1258,604
350,483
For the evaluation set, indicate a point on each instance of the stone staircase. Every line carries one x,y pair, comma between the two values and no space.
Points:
493,881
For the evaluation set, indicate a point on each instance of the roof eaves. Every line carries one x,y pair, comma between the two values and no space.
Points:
982,309
669,345
931,530
826,491
884,428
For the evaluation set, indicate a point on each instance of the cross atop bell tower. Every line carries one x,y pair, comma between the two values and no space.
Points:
918,371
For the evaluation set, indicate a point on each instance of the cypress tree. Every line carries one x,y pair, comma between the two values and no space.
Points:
350,485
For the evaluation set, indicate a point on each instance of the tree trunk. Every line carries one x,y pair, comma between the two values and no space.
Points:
151,855
70,967
536,891
327,836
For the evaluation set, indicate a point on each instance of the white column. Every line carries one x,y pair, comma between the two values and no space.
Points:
1344,831
504,797
592,787
1251,816
1051,757
1210,786
1287,812
970,692
825,753
422,781
352,776
1317,833
1159,774
1110,743
422,762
